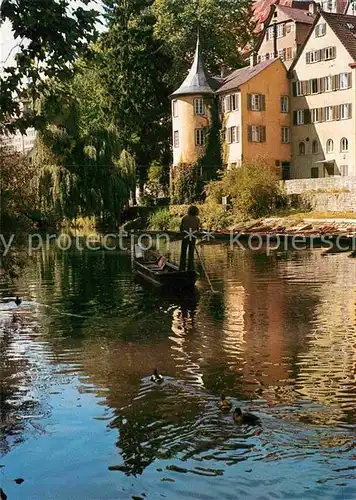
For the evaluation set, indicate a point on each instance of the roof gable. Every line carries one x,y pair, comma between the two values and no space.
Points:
338,24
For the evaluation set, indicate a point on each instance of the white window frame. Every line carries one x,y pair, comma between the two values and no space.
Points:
329,85
199,106
344,112
343,81
176,139
344,145
329,113
269,33
320,30
284,104
315,115
285,133
329,53
175,108
344,170
199,137
299,88
300,116
255,102
234,97
280,30
255,133
329,146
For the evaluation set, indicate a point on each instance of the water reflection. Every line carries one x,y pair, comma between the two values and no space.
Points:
278,338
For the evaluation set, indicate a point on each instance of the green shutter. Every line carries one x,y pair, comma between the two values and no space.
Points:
262,133
249,102
307,116
294,89
295,117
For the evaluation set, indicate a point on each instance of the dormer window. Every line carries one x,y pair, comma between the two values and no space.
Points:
199,107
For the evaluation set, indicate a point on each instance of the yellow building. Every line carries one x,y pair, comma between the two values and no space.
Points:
254,108
255,115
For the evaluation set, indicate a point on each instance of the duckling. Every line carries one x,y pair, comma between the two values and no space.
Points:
156,377
224,404
18,301
245,418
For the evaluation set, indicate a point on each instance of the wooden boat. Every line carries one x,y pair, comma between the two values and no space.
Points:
165,274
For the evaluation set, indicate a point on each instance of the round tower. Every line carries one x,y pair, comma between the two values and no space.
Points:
191,112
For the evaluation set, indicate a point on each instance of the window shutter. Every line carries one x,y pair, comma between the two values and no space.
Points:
349,80
333,52
350,110
249,133
321,85
295,117
263,102
307,116
307,85
229,135
262,133
307,57
237,134
336,112
322,114
333,80
322,55
237,101
249,102
337,82
294,88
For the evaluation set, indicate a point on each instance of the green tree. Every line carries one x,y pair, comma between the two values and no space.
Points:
134,69
254,188
78,162
224,25
50,34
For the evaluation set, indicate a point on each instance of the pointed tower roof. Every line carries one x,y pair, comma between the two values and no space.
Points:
197,81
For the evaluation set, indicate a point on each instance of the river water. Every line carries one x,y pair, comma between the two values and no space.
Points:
80,418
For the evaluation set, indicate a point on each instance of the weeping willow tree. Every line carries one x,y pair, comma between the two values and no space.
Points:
80,172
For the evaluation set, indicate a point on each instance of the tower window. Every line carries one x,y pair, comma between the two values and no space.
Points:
175,108
199,108
176,139
199,136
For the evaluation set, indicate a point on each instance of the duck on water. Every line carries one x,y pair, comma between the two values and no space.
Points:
156,377
245,418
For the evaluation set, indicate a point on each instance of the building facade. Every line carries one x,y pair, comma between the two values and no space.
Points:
22,143
285,30
254,103
323,98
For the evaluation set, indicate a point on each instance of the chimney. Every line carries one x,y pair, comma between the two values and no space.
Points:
313,8
253,59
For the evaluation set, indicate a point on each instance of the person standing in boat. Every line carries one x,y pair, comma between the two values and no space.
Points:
189,226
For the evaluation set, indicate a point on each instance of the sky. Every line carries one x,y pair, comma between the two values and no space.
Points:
8,49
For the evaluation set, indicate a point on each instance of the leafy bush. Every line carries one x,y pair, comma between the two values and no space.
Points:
254,189
162,220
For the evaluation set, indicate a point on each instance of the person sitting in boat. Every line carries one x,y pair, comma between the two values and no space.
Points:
189,225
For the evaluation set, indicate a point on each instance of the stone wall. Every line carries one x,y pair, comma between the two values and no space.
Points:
327,194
